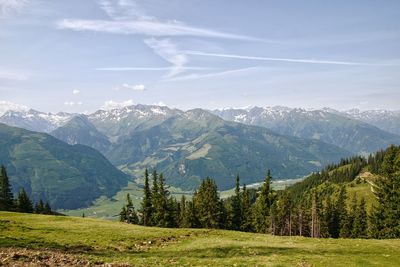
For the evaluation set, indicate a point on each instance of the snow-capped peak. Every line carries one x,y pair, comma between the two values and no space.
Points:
7,105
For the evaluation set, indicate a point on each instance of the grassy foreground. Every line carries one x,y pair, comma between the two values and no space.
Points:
100,241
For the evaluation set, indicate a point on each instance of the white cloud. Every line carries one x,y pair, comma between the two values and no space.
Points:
136,87
196,76
292,60
75,92
149,68
127,17
72,103
111,104
7,105
9,7
146,27
169,52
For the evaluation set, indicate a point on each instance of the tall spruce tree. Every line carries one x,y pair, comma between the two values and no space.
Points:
360,221
235,215
6,196
386,215
24,204
146,204
262,206
39,207
208,205
247,216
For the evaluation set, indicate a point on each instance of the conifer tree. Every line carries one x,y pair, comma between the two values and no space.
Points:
236,209
24,204
39,207
247,216
341,212
386,215
47,208
128,213
146,204
6,196
360,221
208,205
182,212
262,206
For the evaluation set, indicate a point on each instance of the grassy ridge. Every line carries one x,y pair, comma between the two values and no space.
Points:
106,241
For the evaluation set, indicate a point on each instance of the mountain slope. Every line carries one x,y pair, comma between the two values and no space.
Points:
194,144
79,130
383,119
332,128
35,120
68,176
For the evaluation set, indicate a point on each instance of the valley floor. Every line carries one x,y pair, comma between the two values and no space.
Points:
32,239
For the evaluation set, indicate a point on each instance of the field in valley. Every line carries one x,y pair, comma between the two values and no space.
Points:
27,238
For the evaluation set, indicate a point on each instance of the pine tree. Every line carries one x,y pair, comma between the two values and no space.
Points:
347,230
208,205
155,200
6,196
360,221
39,207
24,204
128,213
146,208
47,208
386,215
162,209
182,212
262,206
341,212
247,216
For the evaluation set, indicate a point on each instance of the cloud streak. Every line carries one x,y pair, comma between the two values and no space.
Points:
290,60
147,28
136,87
196,76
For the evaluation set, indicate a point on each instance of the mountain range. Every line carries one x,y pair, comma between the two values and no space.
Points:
189,145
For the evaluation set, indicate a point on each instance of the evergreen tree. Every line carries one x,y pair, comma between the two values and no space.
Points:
182,212
386,215
236,217
262,206
47,208
128,213
360,221
341,212
191,219
208,205
155,200
162,210
247,216
348,224
24,204
146,204
39,207
6,196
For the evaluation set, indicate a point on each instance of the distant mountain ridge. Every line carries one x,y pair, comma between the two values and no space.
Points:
187,145
338,128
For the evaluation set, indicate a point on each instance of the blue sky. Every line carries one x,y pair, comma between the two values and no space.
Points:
79,56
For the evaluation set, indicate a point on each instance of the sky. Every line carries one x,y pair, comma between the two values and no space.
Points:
80,56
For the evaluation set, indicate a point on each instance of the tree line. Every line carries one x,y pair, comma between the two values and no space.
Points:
22,203
319,207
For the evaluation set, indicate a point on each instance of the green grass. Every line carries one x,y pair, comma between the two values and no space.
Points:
112,242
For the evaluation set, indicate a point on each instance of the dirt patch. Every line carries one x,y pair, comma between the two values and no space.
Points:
29,257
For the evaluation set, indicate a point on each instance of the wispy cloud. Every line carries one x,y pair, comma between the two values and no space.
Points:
195,76
9,7
147,28
291,60
128,18
149,68
7,105
72,103
76,92
136,87
168,50
111,104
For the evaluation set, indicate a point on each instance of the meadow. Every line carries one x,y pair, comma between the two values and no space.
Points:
101,241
